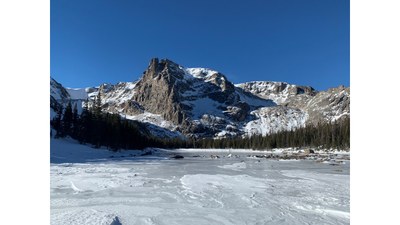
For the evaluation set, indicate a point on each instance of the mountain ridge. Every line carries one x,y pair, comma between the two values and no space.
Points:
201,102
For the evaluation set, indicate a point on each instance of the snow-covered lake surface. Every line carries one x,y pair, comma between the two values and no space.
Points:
95,186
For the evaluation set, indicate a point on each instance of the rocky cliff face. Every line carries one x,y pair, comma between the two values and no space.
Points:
328,106
201,102
159,89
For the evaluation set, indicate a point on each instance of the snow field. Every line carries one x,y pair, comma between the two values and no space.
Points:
234,189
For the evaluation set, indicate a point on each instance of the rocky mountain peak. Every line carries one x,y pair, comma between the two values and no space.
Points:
158,90
201,102
165,69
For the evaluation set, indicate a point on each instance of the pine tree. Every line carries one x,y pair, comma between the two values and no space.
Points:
97,105
75,121
56,122
66,122
85,124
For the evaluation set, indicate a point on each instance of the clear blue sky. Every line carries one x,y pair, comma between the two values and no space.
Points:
106,41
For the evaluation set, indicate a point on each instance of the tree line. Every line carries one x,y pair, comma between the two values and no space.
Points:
97,128
322,135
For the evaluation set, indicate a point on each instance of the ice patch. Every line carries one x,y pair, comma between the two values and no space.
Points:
235,166
198,190
200,183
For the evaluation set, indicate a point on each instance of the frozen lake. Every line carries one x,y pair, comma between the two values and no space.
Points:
198,190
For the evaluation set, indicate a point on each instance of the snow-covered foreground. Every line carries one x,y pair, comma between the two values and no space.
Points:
100,187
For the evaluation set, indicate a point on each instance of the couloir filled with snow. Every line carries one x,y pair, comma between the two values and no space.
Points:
97,186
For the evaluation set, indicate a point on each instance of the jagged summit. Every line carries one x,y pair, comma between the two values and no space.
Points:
202,102
163,67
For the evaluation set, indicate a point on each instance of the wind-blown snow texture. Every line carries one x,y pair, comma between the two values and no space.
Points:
96,186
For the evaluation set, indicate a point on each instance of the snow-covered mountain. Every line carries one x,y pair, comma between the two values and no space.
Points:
200,102
322,106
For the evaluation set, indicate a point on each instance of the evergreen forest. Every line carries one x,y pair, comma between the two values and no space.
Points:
97,128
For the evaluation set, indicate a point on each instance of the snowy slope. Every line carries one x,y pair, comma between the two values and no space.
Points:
67,150
157,125
267,90
273,119
57,91
201,73
77,93
255,101
118,94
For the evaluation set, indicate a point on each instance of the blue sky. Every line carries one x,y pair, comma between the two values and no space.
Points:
303,42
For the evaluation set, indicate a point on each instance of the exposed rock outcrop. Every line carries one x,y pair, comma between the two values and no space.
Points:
159,89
